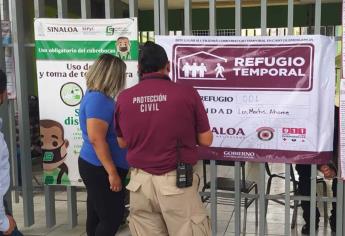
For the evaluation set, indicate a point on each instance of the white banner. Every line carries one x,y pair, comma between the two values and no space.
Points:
343,37
268,98
65,49
342,128
9,59
342,104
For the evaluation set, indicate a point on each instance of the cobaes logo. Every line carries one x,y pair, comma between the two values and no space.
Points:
265,133
109,30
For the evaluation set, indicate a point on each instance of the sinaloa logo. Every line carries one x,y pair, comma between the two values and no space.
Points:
240,154
228,131
62,29
110,30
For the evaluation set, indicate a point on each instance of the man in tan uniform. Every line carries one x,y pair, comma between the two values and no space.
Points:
161,123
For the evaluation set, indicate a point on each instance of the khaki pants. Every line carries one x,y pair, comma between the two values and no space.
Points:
159,208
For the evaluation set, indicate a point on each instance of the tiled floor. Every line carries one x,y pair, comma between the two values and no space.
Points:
225,214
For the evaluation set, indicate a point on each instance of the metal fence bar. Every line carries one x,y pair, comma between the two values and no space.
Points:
212,17
290,17
238,198
13,148
23,109
238,28
275,197
213,189
6,12
72,206
261,185
263,21
313,199
85,6
49,193
163,17
39,8
287,199
317,16
133,8
109,9
213,166
187,17
62,8
238,17
118,9
262,202
343,209
340,205
314,167
72,190
288,166
156,13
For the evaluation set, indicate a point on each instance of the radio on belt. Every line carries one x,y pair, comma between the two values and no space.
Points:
184,171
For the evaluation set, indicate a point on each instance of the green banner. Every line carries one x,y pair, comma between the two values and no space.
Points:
84,50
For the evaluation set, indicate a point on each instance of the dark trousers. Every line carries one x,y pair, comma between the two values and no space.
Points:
304,172
105,208
333,217
304,183
15,232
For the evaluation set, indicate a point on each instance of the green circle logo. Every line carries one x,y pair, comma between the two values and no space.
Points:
71,94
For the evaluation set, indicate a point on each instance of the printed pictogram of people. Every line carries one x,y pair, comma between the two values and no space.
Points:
197,70
219,70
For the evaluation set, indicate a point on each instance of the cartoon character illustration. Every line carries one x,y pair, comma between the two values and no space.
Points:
54,151
123,48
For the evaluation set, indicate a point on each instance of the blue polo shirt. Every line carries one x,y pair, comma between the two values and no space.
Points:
99,106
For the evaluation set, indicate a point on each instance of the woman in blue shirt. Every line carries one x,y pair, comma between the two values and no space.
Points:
102,164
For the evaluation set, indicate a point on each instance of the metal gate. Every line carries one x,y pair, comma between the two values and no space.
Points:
160,28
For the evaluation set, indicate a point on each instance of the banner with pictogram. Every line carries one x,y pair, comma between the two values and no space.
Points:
268,99
65,50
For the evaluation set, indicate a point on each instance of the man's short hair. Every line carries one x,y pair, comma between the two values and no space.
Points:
122,37
47,124
3,82
152,58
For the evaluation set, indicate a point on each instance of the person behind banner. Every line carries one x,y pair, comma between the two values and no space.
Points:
102,164
329,171
162,123
7,223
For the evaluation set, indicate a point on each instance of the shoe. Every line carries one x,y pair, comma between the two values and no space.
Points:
125,215
306,229
333,224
